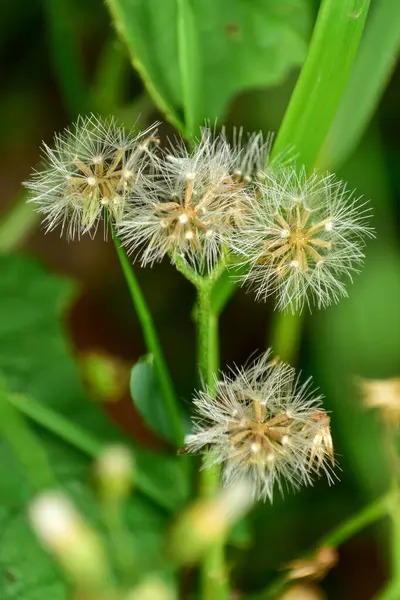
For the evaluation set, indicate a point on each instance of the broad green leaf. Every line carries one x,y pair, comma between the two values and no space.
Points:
36,360
222,47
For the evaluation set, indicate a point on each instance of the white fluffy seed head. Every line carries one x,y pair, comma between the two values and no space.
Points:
303,239
265,426
192,190
84,172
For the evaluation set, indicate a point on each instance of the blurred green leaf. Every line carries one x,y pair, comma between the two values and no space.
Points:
65,54
26,447
241,534
320,85
25,570
361,337
36,359
369,76
240,45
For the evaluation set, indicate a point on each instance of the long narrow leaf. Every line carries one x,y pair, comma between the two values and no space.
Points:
323,78
374,63
188,53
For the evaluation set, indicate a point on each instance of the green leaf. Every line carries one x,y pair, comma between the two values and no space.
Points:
148,399
28,572
189,65
369,76
36,360
322,80
222,47
65,54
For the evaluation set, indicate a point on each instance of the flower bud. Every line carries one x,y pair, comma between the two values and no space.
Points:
69,539
114,470
206,521
151,588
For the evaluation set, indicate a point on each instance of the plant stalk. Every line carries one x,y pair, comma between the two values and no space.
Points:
152,342
214,580
366,516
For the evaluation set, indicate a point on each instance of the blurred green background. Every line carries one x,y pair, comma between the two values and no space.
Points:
62,58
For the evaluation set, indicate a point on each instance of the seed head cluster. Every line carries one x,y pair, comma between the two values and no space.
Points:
298,237
263,425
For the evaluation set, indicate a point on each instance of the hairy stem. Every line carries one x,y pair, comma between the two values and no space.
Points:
286,336
214,579
152,343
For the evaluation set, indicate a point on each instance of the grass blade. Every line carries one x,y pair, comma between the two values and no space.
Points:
322,80
374,63
188,65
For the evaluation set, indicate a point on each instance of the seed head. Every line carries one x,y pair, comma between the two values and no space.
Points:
251,155
263,424
93,167
384,395
194,201
302,237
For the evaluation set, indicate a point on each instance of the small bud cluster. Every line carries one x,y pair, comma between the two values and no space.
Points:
264,425
297,235
78,546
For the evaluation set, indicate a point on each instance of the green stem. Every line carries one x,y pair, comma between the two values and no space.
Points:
152,343
24,444
215,585
120,538
57,424
17,223
286,336
366,516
